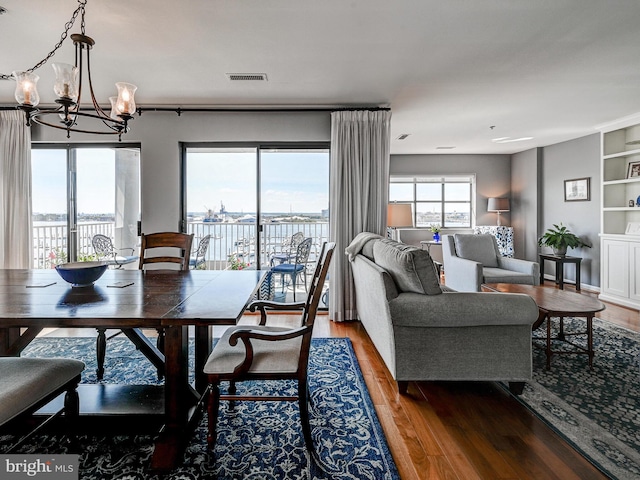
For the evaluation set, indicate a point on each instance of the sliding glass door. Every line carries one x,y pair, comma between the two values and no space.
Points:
80,191
252,198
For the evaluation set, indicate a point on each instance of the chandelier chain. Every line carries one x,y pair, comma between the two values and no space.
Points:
63,37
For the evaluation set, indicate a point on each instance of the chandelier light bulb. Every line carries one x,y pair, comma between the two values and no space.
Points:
126,104
66,85
26,88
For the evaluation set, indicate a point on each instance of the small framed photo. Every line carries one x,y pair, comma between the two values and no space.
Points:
634,170
577,189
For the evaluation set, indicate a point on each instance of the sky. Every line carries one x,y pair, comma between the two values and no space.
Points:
295,182
292,181
95,180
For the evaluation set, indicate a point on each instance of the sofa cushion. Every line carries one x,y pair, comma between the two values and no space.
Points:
367,249
499,275
479,248
410,267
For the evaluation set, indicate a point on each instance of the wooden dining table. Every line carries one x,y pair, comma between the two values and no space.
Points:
31,300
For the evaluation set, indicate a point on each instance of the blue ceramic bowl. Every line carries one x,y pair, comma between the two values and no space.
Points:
81,274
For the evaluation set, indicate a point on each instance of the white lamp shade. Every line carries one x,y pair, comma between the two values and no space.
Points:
498,205
399,215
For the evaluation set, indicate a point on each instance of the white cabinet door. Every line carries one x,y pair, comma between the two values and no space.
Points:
634,271
615,268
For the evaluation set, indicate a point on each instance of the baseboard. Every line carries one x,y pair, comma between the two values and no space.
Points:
583,286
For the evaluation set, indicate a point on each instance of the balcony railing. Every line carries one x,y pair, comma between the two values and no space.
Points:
227,239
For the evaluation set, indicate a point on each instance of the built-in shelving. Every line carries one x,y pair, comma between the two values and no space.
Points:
620,252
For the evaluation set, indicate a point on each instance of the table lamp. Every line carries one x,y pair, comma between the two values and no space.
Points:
498,205
399,215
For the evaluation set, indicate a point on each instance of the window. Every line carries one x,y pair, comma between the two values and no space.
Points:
252,198
79,191
446,201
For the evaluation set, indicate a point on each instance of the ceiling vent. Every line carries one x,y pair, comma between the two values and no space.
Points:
445,148
403,136
235,77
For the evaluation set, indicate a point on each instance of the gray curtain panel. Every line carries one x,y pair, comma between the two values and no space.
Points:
15,191
358,194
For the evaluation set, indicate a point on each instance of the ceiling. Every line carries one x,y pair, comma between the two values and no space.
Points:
455,73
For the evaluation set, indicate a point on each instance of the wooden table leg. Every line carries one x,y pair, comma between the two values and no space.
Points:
179,398
560,274
204,339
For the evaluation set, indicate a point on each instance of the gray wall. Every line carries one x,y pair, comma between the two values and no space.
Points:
577,158
493,179
160,134
526,194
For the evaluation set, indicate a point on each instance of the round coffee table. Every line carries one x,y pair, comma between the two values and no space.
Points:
552,302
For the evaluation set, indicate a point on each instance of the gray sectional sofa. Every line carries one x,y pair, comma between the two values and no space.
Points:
425,331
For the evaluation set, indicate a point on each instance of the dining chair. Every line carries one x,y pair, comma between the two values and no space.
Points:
297,267
106,252
28,383
263,352
200,253
163,240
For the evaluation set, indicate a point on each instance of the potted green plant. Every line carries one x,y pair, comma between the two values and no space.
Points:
559,238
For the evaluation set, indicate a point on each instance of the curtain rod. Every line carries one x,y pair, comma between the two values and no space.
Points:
179,110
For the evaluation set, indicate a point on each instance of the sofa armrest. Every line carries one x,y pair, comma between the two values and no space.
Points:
522,266
463,309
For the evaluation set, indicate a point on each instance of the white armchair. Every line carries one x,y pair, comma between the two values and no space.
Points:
471,260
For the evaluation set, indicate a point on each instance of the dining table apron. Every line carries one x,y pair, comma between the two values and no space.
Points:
31,300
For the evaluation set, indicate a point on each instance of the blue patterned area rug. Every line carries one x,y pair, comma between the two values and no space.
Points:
597,411
256,439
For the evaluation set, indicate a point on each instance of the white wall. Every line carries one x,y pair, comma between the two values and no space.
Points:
160,134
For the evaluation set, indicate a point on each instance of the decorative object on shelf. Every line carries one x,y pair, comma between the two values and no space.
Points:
638,201
632,203
633,228
69,115
399,215
435,229
577,190
498,205
559,239
504,237
634,170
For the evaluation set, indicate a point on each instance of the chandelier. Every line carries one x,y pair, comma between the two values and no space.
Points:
69,115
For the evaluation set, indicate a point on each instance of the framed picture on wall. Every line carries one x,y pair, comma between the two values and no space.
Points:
577,189
634,170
